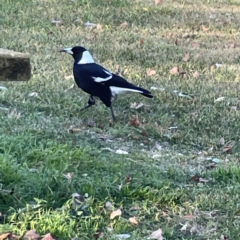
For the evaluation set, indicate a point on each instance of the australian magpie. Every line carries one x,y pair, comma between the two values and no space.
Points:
98,81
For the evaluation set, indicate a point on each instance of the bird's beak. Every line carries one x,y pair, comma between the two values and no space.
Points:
67,50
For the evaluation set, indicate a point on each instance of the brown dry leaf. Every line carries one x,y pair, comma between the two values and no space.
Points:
151,72
186,57
4,236
31,235
204,28
195,178
196,74
141,41
133,220
189,217
195,45
98,235
68,176
157,234
157,2
174,70
124,25
48,236
116,213
134,121
99,26
213,67
227,149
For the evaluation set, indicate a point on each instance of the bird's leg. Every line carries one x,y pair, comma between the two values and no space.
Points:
91,102
113,116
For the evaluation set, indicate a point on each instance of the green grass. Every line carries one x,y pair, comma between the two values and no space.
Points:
43,134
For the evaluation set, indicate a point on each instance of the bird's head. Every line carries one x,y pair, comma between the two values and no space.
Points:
80,54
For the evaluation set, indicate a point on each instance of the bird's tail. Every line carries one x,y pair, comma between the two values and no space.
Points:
144,92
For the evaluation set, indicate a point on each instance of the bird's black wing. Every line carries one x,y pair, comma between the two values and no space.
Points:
98,73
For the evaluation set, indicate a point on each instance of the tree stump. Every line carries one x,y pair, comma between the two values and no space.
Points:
14,66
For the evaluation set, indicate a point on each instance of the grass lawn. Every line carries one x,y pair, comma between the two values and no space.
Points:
181,172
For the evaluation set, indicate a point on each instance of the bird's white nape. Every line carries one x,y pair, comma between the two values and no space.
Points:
86,58
118,90
68,50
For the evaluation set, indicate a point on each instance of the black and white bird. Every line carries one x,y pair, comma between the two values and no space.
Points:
98,81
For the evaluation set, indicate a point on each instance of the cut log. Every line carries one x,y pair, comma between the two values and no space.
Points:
14,66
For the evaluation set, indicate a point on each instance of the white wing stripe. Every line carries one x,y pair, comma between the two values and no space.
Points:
99,80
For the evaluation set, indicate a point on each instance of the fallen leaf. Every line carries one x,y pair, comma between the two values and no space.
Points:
133,220
151,72
174,70
218,65
68,176
69,77
136,106
222,141
213,67
195,45
204,28
4,236
124,25
156,235
48,236
184,227
186,57
134,121
232,45
227,149
56,22
158,146
224,237
31,235
77,199
219,99
233,108
157,2
33,94
202,180
110,229
195,178
90,25
119,151
14,114
196,74
141,41
109,206
99,26
123,236
188,217
98,235
115,213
